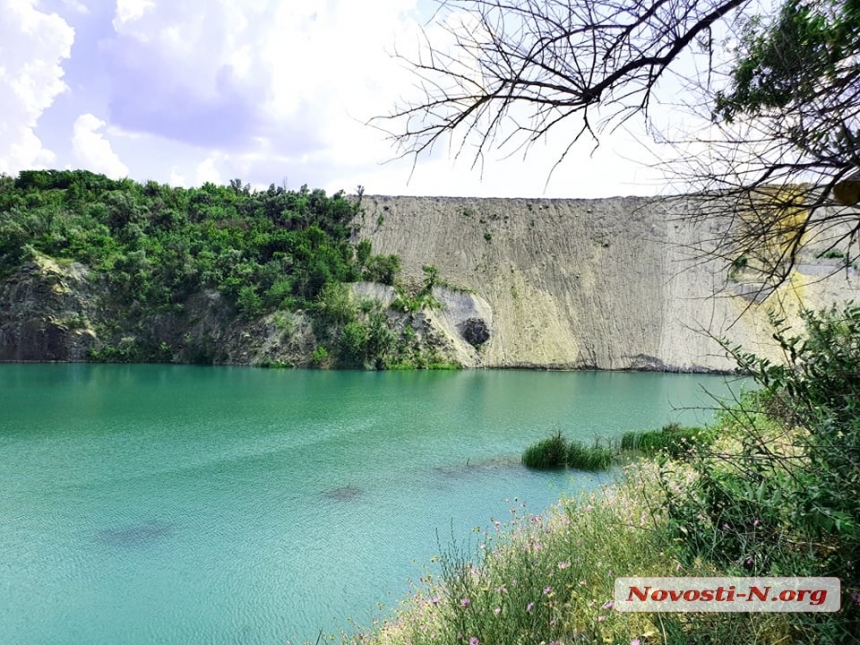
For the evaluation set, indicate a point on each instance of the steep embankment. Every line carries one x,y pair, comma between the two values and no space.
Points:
607,284
561,284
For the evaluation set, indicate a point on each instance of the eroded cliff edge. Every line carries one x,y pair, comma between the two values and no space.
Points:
607,284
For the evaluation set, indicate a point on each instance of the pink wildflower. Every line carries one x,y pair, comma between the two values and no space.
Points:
563,565
547,591
608,605
530,606
600,619
465,602
474,640
497,611
635,641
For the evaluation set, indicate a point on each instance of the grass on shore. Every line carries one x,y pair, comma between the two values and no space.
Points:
550,579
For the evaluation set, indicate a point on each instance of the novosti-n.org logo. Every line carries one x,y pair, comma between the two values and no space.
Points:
728,594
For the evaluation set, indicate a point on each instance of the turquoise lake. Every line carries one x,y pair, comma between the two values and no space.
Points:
154,504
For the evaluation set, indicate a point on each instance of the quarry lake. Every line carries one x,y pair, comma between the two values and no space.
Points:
181,505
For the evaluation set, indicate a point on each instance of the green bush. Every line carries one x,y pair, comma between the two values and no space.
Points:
778,493
263,250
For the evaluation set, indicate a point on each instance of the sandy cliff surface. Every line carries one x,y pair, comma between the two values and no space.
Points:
607,284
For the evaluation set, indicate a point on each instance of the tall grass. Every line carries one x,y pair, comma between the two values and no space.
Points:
672,438
546,454
557,452
582,457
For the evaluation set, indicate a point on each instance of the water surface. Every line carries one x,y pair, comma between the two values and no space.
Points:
182,505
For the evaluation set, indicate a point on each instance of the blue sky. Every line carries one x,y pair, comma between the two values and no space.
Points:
187,91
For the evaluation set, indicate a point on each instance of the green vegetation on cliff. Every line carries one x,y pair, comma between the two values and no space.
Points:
173,268
263,250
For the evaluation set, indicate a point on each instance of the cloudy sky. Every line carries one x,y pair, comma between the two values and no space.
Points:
269,91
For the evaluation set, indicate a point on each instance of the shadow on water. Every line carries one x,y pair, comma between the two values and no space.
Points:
136,536
344,493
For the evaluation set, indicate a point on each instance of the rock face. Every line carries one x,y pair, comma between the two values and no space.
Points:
605,284
44,312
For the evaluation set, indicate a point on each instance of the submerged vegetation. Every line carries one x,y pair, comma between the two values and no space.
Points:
771,489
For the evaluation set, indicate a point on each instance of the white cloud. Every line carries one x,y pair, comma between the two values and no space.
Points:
207,172
129,10
93,151
32,46
266,89
177,179
76,6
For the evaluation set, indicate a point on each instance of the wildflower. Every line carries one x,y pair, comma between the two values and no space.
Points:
600,619
474,640
435,600
502,589
635,641
497,611
563,565
856,598
756,523
530,606
608,605
465,602
547,591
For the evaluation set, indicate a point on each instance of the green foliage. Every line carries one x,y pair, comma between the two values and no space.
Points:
777,494
547,453
785,62
263,250
582,457
353,344
321,357
557,452
249,303
383,269
672,439
335,305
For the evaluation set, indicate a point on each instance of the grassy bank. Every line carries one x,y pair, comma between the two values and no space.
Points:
549,579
